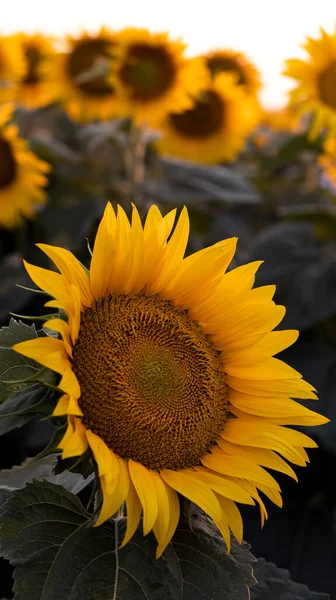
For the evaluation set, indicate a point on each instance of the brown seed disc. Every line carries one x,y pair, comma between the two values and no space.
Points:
33,57
220,64
203,120
82,60
148,71
152,385
327,85
8,166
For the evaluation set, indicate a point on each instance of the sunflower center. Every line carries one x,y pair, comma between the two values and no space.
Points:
327,85
218,64
7,164
148,71
33,57
85,64
151,382
204,119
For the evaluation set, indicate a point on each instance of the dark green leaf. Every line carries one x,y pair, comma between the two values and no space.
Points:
47,536
15,369
275,584
24,405
303,269
43,468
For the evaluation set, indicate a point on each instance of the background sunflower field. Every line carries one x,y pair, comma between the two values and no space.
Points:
131,116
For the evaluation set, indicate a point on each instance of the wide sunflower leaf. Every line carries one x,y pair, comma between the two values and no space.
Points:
275,584
24,405
303,269
47,536
44,468
15,369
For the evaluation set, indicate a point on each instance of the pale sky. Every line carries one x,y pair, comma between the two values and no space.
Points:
268,31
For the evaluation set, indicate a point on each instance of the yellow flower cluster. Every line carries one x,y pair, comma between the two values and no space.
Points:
205,107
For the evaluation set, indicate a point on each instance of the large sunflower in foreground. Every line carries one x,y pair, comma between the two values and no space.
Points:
12,67
22,174
226,60
78,77
167,374
215,128
315,93
153,76
33,90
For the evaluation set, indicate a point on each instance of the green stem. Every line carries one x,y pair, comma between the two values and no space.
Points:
135,162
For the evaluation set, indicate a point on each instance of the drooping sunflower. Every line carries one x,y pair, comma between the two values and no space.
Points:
78,77
22,174
215,128
33,90
227,60
153,76
315,93
168,376
12,67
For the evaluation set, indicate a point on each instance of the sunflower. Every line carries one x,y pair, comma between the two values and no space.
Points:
153,76
225,60
12,67
315,93
33,90
78,77
22,174
168,376
215,128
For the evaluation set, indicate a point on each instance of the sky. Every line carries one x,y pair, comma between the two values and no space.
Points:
268,31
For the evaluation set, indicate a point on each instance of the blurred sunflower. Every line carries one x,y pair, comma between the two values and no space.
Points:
215,128
316,90
78,77
22,174
12,67
167,374
152,75
33,90
327,160
225,60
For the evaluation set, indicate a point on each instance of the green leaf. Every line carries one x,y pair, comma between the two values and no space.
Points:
275,584
15,369
43,468
24,405
48,537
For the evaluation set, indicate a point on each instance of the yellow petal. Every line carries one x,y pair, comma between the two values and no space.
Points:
105,458
261,456
52,283
103,254
145,487
47,351
278,388
168,513
272,343
232,516
67,405
269,369
283,411
71,269
134,509
115,491
69,384
63,328
235,466
187,483
229,487
74,442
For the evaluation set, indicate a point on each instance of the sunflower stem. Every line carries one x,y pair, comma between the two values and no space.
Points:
135,162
